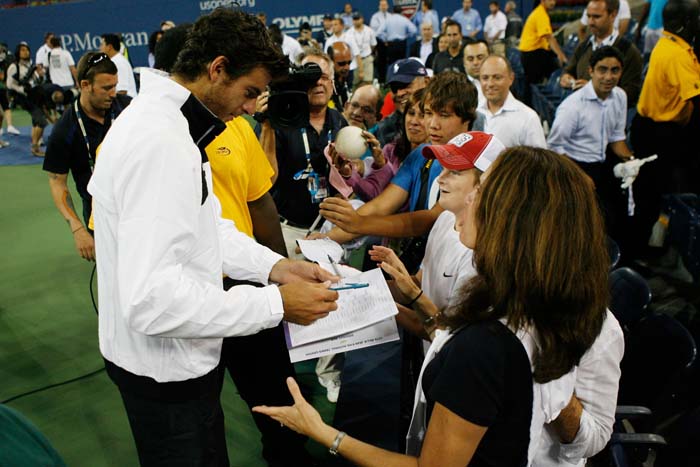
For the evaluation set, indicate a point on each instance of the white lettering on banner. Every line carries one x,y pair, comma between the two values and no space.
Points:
290,24
209,5
83,42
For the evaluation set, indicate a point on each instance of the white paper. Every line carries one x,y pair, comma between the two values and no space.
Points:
380,333
320,249
357,308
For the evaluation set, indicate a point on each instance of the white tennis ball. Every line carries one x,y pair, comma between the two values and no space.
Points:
350,143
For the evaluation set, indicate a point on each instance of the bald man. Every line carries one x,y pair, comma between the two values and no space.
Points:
341,54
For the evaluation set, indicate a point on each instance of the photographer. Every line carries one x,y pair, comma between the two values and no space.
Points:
296,198
22,79
5,59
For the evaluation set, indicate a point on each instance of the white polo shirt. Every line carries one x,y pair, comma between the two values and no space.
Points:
515,124
125,75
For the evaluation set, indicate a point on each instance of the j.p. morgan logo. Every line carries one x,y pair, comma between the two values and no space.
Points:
223,151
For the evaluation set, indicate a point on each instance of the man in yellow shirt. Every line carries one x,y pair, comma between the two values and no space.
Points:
258,364
540,50
668,119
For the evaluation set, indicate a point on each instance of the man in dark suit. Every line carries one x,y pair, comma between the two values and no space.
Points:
427,45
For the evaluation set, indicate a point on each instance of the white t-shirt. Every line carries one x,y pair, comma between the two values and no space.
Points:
623,13
125,75
59,63
364,39
291,48
496,24
447,263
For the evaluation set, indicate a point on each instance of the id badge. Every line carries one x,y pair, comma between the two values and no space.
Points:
318,187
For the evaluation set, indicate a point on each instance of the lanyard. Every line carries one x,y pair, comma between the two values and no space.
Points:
84,132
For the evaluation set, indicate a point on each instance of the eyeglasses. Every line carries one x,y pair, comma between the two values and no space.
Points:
346,63
93,61
365,108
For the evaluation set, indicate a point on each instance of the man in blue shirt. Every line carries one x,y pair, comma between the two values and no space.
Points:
397,28
591,120
469,19
427,14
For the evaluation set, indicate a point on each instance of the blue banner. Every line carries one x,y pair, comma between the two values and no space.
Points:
79,24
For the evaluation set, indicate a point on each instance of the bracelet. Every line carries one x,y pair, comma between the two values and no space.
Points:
74,231
414,300
336,443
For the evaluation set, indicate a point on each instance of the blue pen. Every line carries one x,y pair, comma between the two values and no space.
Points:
349,286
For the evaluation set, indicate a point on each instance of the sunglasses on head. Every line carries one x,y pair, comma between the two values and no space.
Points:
93,61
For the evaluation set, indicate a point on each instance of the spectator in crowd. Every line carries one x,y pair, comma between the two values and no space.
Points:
449,105
398,29
474,55
426,45
377,22
426,14
367,42
652,17
291,47
23,80
4,103
514,123
341,55
621,23
361,109
540,49
341,35
601,15
6,59
667,121
296,202
43,51
305,36
326,31
60,69
163,311
468,19
404,78
451,59
109,44
591,120
495,26
506,239
346,16
74,141
515,24
152,41
442,45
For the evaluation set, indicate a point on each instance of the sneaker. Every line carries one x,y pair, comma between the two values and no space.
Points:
36,151
332,389
12,130
3,143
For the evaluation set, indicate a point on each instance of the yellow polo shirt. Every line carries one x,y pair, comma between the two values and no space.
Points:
536,27
240,171
672,80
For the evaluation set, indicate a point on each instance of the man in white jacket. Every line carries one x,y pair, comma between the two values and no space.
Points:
162,246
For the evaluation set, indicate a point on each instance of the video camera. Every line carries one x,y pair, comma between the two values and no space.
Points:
288,105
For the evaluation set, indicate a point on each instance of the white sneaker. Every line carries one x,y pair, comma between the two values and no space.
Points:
2,130
12,130
3,143
332,390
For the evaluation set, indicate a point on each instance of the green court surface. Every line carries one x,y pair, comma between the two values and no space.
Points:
48,335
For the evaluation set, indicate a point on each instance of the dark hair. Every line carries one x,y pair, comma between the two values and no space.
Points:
47,35
170,45
402,146
678,16
240,37
428,3
453,89
603,53
495,3
113,40
450,22
19,46
87,72
478,41
305,26
55,42
276,34
153,40
610,5
541,257
397,9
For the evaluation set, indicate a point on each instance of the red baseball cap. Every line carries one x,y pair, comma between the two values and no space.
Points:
466,151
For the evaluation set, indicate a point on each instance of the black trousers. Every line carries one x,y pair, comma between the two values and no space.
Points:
395,50
259,366
174,424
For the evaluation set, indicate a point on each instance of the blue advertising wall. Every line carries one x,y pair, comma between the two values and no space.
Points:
80,23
